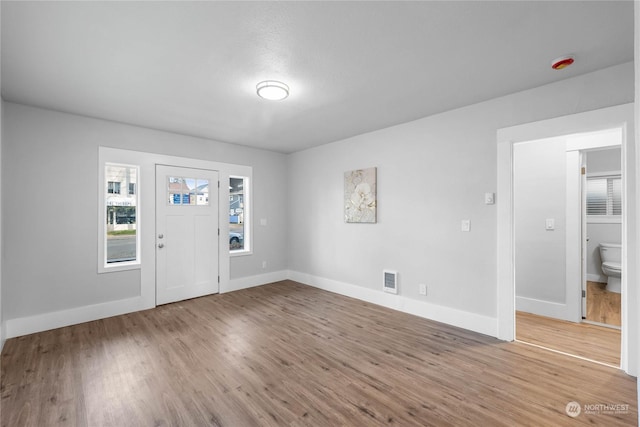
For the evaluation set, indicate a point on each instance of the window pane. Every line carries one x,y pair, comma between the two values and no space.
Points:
604,196
189,192
113,187
616,195
174,190
236,214
121,213
202,187
597,196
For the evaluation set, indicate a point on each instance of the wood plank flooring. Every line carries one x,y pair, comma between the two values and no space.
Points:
286,354
603,306
581,339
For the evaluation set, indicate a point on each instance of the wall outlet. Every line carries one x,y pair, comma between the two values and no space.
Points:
465,225
264,264
422,289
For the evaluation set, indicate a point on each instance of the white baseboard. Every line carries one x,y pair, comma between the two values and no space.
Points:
58,319
543,308
596,278
251,281
462,319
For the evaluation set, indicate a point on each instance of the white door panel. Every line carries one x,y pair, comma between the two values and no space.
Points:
186,233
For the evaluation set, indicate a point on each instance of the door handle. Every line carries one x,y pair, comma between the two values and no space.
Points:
160,245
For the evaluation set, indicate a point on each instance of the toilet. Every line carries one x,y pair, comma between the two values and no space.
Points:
611,255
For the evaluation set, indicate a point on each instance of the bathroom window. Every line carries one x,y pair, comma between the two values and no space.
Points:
604,196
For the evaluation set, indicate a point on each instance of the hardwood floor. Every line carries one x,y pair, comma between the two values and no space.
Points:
285,354
603,306
594,342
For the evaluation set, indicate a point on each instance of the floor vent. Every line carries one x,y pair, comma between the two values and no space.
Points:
390,281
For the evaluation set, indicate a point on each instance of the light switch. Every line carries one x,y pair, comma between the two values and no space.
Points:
550,224
465,225
489,198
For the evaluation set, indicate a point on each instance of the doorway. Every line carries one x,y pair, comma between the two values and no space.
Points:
187,233
551,200
621,116
602,232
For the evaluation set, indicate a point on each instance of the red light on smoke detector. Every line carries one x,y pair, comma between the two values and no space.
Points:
562,62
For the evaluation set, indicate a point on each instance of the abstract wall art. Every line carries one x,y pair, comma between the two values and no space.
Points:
360,201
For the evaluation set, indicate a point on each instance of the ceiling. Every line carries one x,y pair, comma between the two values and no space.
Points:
353,67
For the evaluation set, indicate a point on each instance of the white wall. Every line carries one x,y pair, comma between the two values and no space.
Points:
432,173
50,171
539,193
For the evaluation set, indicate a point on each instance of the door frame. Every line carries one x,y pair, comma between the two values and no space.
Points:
611,117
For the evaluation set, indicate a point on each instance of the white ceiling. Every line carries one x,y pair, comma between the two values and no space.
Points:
353,67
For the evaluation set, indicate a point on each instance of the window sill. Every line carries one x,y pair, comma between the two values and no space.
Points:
604,219
233,254
125,266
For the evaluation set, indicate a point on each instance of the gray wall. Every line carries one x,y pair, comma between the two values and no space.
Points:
539,192
50,171
432,173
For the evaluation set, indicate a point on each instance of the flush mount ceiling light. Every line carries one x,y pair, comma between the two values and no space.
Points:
562,62
272,90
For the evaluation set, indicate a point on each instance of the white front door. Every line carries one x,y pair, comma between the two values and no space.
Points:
186,233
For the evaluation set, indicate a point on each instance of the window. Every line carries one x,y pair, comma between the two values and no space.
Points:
239,214
604,196
121,238
113,187
187,191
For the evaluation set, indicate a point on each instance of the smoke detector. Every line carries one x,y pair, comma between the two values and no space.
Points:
562,62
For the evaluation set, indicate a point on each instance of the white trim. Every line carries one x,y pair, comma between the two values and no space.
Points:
604,219
103,266
598,140
544,308
451,316
619,116
596,278
252,281
58,319
248,216
573,238
611,174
